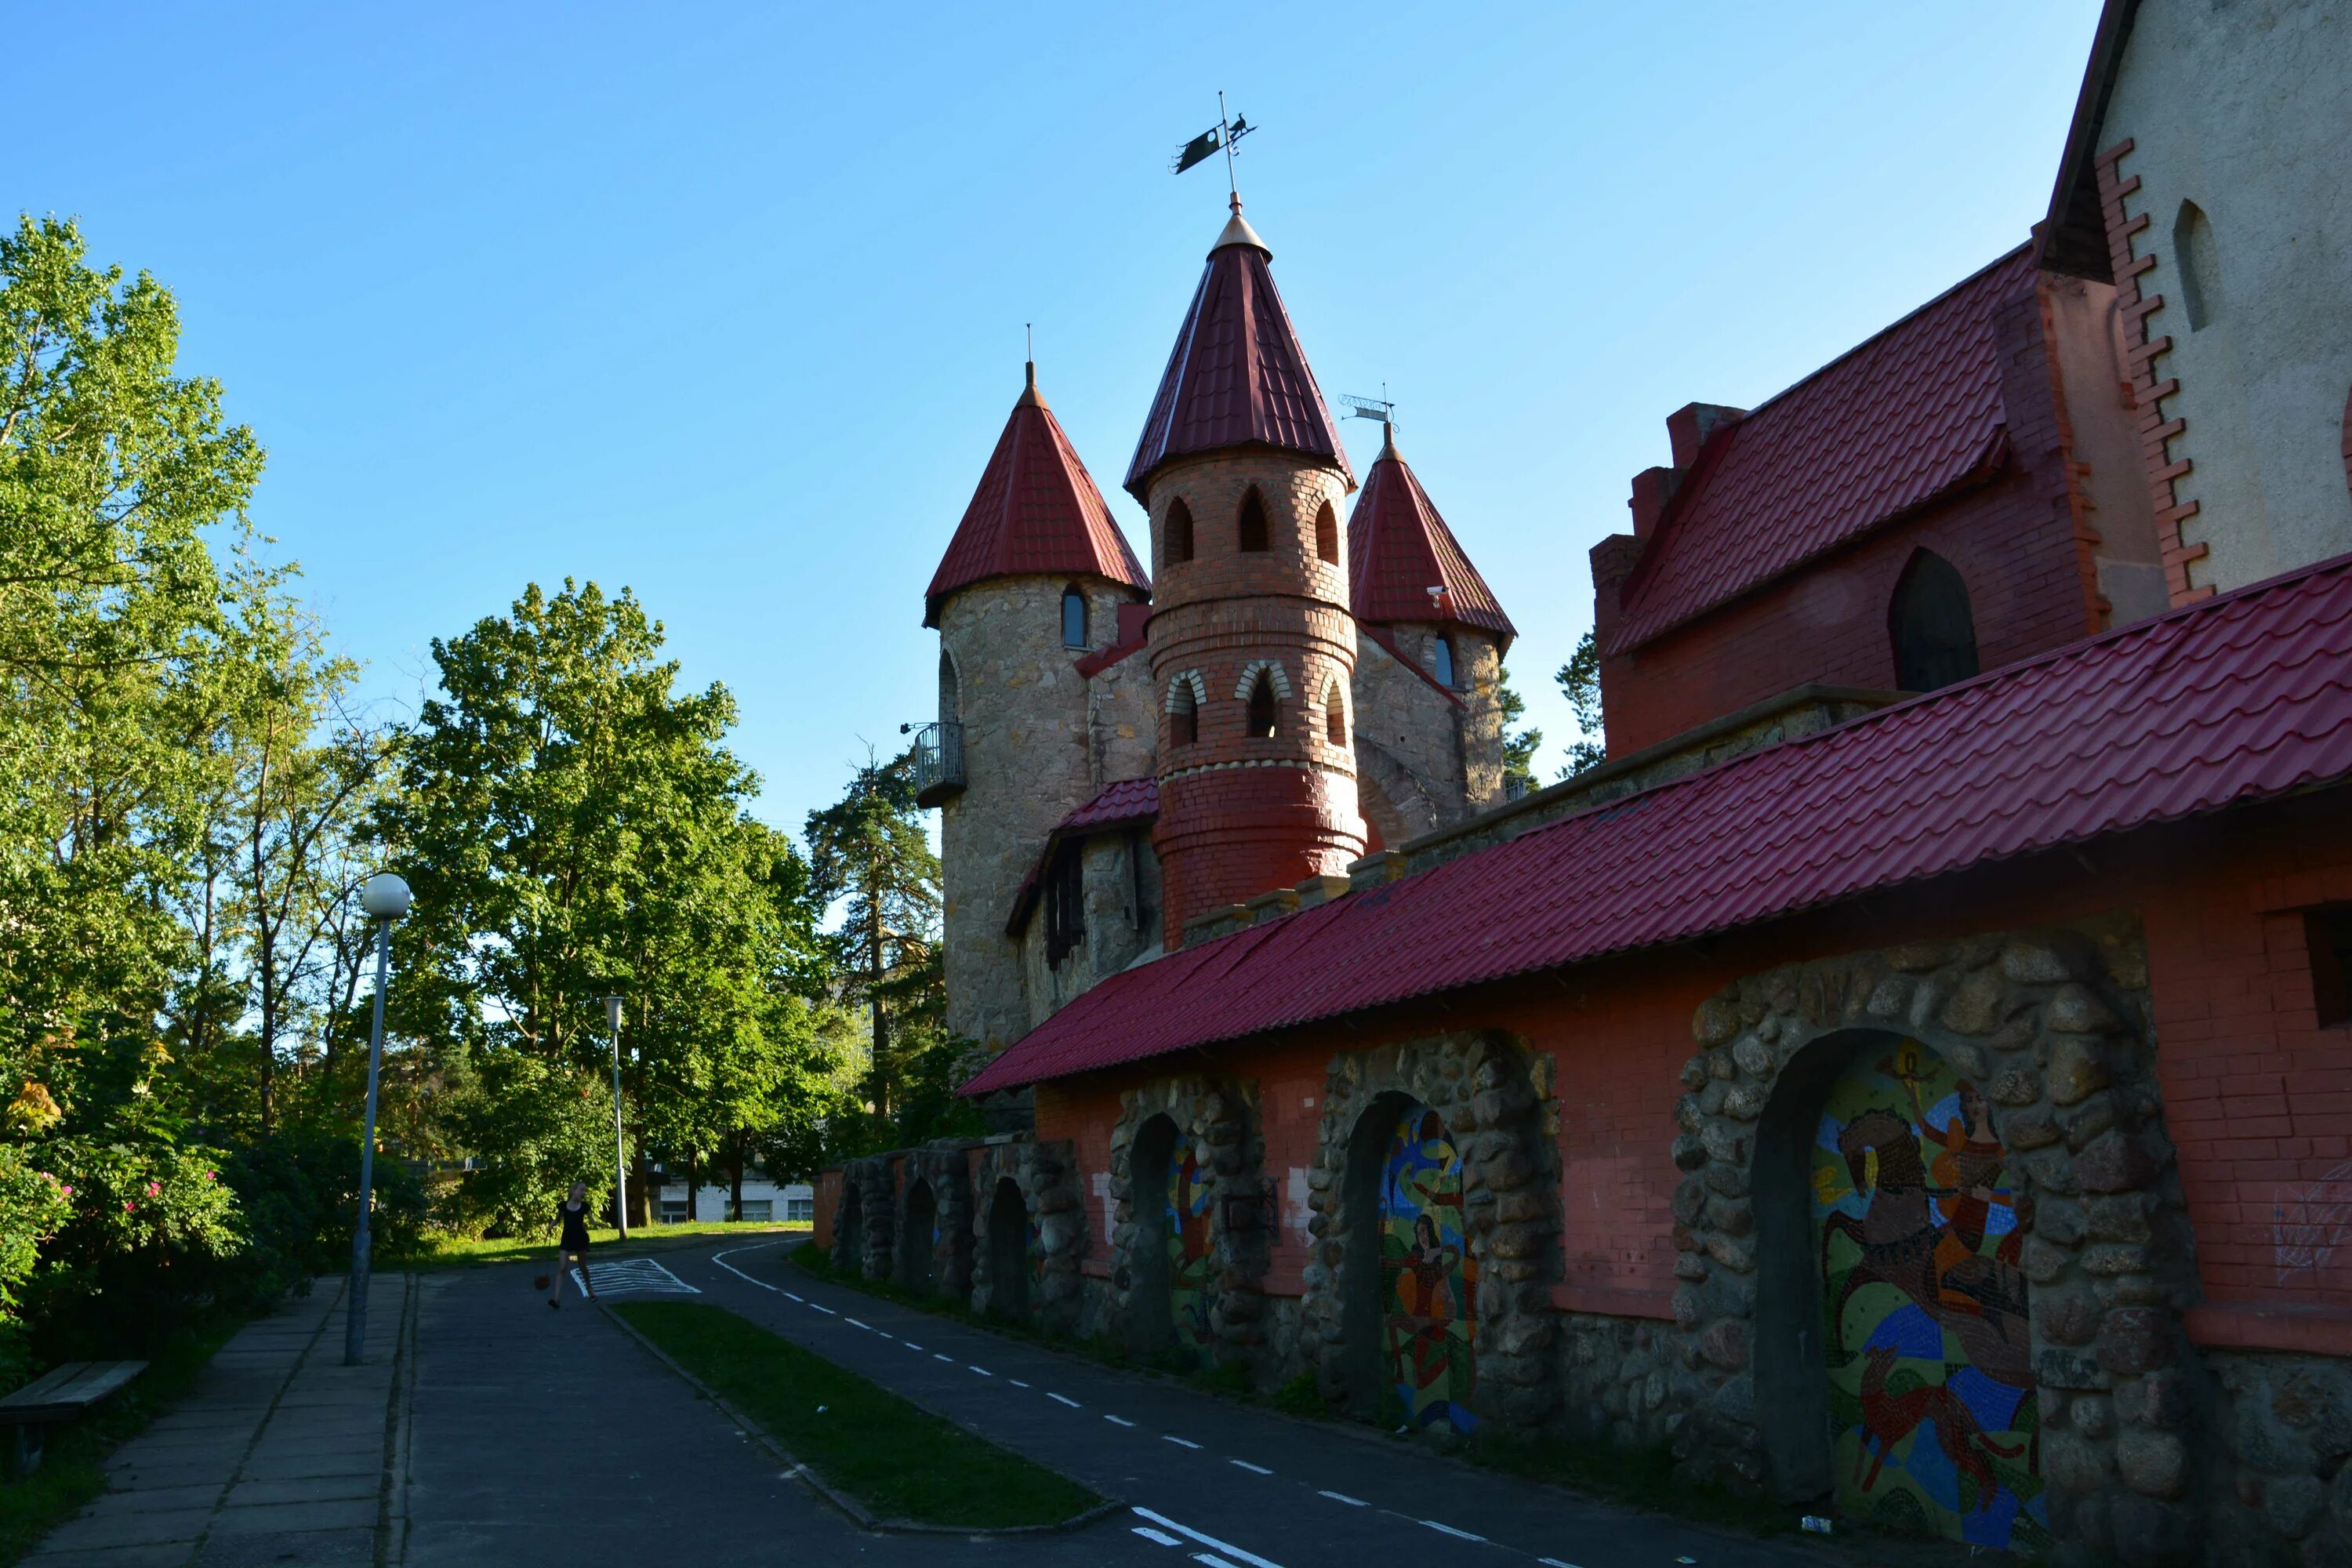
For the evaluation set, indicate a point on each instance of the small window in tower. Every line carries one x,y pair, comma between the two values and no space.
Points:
1178,532
1066,902
1074,617
1934,633
951,690
2328,934
2200,266
1183,715
1442,655
1260,722
1252,530
1334,715
1326,534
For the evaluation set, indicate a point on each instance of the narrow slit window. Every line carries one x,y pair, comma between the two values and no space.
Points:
2328,932
1334,715
1253,526
1183,716
1326,534
1074,618
1442,656
1261,717
1178,532
1066,902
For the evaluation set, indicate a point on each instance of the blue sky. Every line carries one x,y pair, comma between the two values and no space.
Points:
725,303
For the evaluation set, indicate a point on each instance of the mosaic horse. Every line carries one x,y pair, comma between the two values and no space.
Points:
1898,1235
1887,1418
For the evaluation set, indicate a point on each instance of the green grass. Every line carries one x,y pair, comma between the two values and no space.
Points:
444,1251
73,1469
900,1462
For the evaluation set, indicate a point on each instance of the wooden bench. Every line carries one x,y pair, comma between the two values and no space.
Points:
58,1395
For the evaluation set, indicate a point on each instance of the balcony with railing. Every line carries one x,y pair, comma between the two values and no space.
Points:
938,763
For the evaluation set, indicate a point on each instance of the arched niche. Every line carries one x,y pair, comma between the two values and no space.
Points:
1013,1252
1931,625
919,1238
1151,1324
1408,1324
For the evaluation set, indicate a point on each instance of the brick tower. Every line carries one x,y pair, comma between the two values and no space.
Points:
1252,643
1431,757
1013,750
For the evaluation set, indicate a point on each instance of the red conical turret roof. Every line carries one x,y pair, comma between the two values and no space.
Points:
1036,511
1399,549
1237,376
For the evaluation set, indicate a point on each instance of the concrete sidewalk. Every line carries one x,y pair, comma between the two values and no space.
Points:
281,1453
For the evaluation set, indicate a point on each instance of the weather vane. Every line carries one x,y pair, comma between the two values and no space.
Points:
1222,135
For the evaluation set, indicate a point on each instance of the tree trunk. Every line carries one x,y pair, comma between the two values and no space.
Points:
735,1211
693,1185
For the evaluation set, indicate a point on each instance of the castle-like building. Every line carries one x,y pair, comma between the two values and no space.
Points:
1120,755
1911,1076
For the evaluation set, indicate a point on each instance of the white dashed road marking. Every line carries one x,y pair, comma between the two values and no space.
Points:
827,1311
1253,1470
1180,1442
854,1323
1065,1399
1343,1496
1160,1536
1119,1421
982,1370
1449,1530
1016,1383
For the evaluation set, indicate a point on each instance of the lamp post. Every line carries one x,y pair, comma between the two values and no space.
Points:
620,1149
386,898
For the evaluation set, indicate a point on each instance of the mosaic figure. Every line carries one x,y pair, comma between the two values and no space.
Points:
1429,1281
1191,1271
1931,1379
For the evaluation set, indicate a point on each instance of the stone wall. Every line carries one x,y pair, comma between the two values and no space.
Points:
1046,1175
1427,760
2053,1024
942,1165
1222,1116
1491,1096
1122,883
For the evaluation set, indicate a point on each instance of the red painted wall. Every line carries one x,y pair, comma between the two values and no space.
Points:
2258,1096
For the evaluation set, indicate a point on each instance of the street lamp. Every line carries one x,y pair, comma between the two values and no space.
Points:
386,898
620,1149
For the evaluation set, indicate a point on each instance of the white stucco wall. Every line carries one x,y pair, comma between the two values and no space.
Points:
710,1200
2245,107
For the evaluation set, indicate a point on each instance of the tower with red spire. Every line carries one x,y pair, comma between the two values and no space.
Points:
1430,680
1036,579
1252,643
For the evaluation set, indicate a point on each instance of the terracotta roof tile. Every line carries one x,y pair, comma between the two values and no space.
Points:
1892,424
1037,511
2241,698
1236,376
1398,548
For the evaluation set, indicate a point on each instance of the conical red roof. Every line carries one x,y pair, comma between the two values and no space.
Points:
1399,549
1036,511
1237,376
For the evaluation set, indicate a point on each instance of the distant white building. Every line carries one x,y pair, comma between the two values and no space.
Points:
764,1202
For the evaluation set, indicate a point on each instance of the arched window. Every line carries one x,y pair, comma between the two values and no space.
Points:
2200,266
1935,635
1442,656
1074,617
1176,533
1259,726
1184,714
1335,713
1326,534
951,690
1252,526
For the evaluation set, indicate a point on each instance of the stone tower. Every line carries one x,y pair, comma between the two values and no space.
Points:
1036,577
1252,643
1429,683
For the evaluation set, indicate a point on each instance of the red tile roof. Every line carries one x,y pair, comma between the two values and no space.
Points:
1037,511
2241,698
1892,424
1122,804
1399,549
1236,376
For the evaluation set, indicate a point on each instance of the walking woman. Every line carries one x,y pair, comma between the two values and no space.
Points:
574,1248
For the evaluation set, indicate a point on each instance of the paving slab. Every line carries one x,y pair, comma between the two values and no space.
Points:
126,1527
311,1548
287,1518
172,1556
368,1484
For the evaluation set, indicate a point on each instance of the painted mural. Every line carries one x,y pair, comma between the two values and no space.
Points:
1931,1379
1429,1281
1191,1271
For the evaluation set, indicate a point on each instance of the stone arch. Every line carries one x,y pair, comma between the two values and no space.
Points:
1010,1251
1383,1350
1219,1121
1045,1176
919,1222
1491,1095
1184,684
2051,1025
1275,675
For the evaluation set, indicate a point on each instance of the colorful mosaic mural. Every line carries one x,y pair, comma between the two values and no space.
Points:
1191,1271
1429,1281
1931,1379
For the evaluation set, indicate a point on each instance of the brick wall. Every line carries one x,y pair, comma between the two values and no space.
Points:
2017,542
2257,1097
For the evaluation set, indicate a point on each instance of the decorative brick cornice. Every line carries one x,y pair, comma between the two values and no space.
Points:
2158,433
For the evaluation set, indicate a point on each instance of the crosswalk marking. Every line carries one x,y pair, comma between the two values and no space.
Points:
633,1276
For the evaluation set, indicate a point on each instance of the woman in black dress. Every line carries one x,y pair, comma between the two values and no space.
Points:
574,1248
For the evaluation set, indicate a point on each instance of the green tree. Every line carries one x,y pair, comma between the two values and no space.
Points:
1519,746
1579,682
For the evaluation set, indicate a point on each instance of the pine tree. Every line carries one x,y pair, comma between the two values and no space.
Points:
1579,682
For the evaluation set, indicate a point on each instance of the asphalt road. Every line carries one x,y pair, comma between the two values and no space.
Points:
1205,1481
